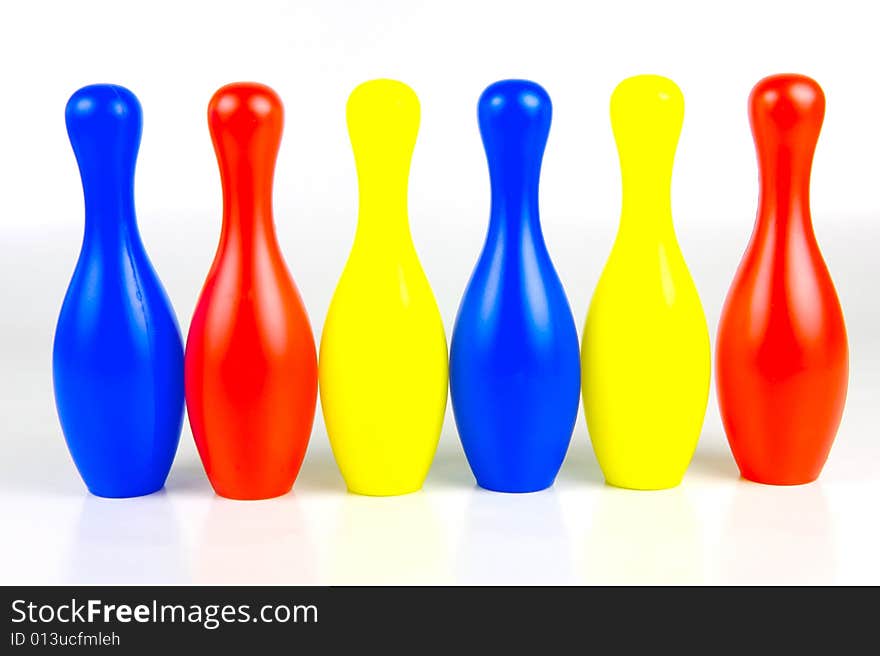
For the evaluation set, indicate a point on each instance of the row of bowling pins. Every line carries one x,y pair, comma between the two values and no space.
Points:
250,373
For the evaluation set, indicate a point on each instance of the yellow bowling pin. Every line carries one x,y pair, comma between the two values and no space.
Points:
383,367
645,356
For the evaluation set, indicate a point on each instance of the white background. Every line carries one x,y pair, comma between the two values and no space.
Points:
714,528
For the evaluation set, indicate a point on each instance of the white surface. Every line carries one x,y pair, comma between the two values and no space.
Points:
713,529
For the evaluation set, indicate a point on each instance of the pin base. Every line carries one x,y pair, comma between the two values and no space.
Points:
645,485
383,492
253,495
515,488
127,493
778,481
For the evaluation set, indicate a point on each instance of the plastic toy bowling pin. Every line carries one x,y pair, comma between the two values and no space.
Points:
782,359
514,363
251,366
645,355
383,363
118,356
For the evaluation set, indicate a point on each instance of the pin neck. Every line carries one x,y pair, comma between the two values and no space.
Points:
785,190
514,172
514,218
382,207
246,212
382,195
647,202
781,214
247,199
111,205
109,209
514,214
375,227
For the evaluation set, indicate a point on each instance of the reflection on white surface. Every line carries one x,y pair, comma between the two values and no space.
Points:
643,538
712,529
387,540
254,542
777,535
119,541
514,539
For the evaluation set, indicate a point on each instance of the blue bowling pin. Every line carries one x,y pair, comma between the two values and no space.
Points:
118,356
514,362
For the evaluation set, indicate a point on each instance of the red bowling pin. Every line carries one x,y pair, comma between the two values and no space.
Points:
782,359
251,366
